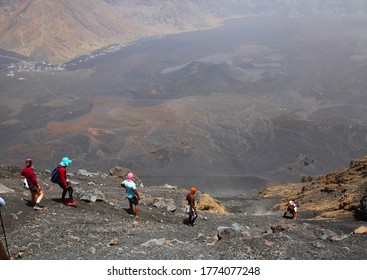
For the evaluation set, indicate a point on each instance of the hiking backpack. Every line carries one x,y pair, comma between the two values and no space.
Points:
55,177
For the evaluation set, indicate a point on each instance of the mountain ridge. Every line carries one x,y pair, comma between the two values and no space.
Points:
59,30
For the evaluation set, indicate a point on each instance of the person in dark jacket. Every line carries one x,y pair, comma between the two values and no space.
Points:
63,183
34,186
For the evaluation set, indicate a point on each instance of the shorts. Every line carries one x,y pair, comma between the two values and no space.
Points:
34,189
189,210
134,200
291,210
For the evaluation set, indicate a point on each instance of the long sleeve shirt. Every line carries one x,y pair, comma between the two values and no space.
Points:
62,176
28,173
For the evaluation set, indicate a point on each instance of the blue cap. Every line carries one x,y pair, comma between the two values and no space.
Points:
2,202
65,161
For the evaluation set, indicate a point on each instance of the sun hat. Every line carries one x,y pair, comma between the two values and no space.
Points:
291,203
29,160
65,161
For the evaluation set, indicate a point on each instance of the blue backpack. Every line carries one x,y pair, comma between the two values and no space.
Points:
55,177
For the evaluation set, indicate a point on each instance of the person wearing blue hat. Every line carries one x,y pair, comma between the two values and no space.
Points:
65,162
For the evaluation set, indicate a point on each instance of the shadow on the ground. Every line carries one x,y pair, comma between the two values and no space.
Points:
28,202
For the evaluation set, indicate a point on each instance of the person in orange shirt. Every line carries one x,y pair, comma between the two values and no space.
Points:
191,207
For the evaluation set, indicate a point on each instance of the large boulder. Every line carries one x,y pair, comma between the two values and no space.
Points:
122,172
119,171
4,189
83,172
90,195
225,233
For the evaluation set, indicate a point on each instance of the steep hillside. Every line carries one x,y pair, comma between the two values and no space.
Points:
101,227
59,30
332,195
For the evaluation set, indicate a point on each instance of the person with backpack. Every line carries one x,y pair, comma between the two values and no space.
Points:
59,176
34,186
132,194
191,207
292,207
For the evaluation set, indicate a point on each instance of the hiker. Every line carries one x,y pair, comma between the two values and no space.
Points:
132,194
63,183
292,208
191,208
3,254
34,186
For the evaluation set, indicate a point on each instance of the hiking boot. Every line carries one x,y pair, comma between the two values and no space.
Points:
71,203
37,207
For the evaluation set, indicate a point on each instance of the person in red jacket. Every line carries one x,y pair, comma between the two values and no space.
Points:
64,184
34,186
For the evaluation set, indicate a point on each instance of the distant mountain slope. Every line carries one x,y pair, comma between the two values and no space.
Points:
58,30
61,29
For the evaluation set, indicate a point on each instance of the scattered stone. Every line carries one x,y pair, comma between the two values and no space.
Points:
75,183
200,237
114,241
280,227
153,242
20,255
14,216
327,234
338,238
75,238
92,250
83,172
166,186
317,244
360,230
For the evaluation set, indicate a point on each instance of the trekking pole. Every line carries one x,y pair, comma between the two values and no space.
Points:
6,242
